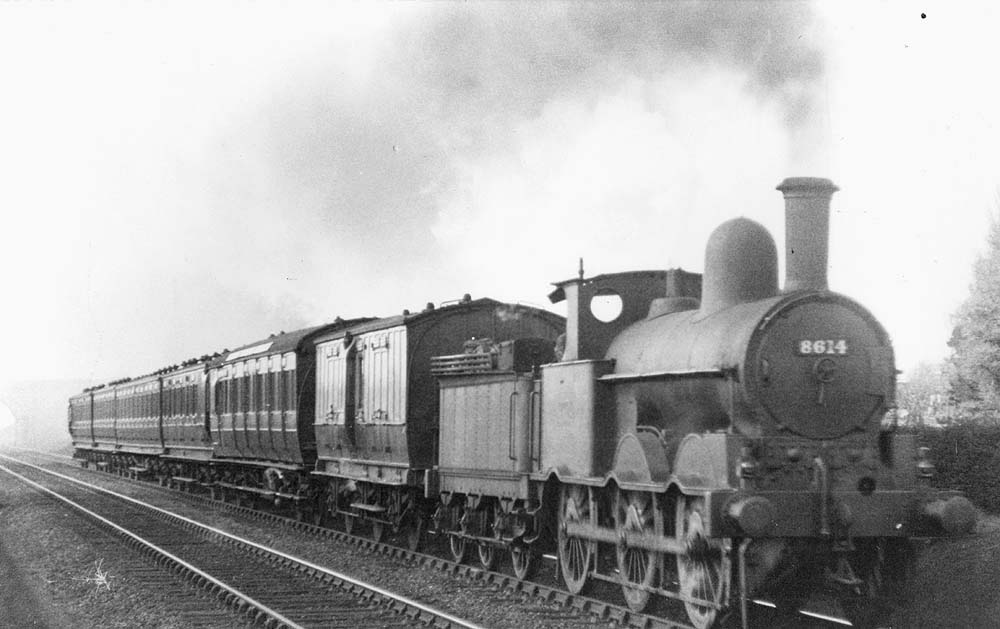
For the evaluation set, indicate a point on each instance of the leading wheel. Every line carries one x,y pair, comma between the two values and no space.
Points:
636,512
575,554
703,571
883,567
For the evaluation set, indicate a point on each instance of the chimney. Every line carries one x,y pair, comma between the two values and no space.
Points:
807,231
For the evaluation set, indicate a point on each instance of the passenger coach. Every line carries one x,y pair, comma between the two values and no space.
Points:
377,405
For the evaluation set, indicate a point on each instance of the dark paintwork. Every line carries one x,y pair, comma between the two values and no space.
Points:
443,331
268,435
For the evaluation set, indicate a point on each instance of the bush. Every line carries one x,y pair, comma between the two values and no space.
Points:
967,457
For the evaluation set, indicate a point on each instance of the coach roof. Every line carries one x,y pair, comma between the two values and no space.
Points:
408,318
503,309
285,341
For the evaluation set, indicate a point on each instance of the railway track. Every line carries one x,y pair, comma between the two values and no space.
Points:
268,587
554,603
564,605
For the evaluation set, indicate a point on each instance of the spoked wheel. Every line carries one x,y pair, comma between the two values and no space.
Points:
524,558
459,547
349,522
378,531
575,554
319,513
636,512
489,554
703,572
413,531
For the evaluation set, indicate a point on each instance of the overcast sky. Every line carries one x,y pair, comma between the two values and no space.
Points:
176,178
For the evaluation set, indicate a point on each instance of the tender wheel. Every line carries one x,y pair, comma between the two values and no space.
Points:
703,573
524,559
575,554
636,512
459,547
488,555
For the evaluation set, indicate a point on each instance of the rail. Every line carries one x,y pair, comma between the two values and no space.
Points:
258,549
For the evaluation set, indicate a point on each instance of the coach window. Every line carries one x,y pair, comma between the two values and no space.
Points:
265,390
258,391
290,390
272,391
245,393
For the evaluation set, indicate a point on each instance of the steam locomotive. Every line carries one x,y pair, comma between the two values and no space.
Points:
715,442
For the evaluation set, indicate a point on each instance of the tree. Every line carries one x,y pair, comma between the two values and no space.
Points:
922,396
975,340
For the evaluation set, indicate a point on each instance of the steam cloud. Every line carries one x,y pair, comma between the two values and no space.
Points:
477,148
430,157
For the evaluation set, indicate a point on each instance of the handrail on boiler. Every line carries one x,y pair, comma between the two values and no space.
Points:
510,427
